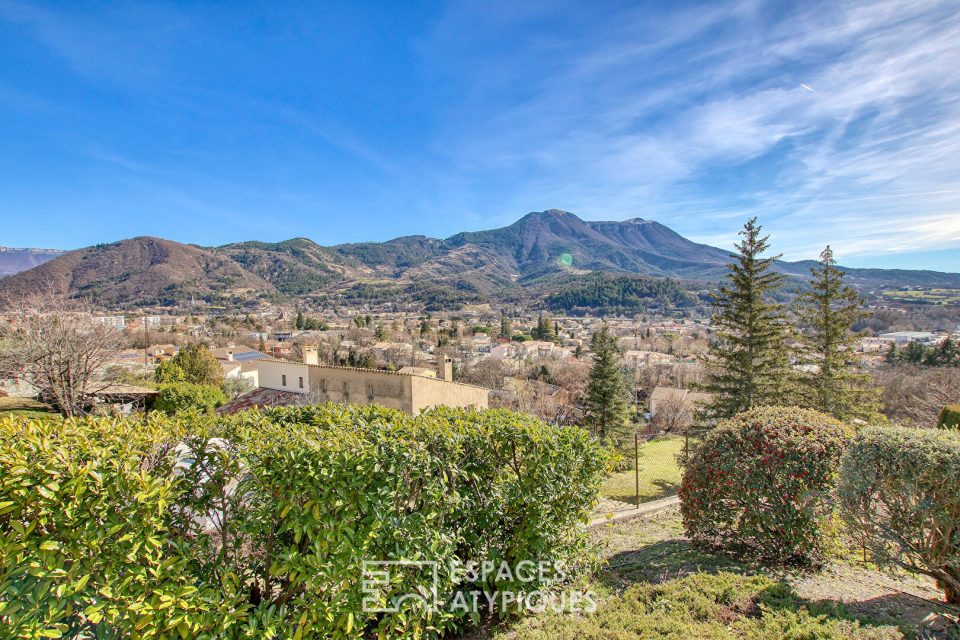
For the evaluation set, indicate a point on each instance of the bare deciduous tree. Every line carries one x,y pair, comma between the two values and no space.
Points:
58,348
915,395
674,415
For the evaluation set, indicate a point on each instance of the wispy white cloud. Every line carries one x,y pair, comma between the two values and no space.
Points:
834,122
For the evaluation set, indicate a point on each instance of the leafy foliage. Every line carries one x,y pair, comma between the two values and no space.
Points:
197,364
900,491
761,481
175,397
748,366
169,371
257,525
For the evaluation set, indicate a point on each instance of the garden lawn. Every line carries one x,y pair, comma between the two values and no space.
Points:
659,472
26,407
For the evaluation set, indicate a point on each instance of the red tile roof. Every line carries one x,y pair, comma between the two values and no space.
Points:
261,398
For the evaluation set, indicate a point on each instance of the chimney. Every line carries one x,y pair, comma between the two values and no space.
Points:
229,356
311,354
445,368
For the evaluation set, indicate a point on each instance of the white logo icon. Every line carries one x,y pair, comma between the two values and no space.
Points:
381,576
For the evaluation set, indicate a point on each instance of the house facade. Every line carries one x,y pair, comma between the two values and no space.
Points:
409,391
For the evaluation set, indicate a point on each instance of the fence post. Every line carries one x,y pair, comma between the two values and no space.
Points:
636,468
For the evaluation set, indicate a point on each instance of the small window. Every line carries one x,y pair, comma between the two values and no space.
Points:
301,382
283,380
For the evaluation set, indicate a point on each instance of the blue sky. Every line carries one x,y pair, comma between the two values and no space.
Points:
834,122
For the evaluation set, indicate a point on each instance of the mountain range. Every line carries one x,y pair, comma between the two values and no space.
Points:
16,260
538,253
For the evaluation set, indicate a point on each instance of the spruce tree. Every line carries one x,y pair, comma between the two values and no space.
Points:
606,405
827,313
748,365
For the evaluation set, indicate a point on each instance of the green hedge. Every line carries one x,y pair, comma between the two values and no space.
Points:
950,417
900,493
760,482
175,397
257,525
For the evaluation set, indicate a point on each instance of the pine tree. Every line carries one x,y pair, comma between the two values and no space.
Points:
827,313
748,364
606,405
298,323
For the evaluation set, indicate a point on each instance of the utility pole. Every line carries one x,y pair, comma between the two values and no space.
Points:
146,340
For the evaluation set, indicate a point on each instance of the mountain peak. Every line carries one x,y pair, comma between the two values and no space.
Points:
549,214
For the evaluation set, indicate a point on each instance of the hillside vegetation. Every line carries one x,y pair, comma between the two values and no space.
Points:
512,262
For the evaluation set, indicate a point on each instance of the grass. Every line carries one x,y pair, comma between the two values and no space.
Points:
24,407
659,473
657,585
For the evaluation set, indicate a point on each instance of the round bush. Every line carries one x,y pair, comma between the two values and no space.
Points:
900,491
761,481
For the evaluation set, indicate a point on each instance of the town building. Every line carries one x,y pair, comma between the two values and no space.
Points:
308,382
117,322
905,337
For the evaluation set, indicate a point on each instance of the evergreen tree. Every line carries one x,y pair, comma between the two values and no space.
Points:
606,405
914,353
545,330
949,353
298,323
892,355
379,333
827,313
506,326
748,365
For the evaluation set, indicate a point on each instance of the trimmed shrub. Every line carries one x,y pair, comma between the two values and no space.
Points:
258,525
86,547
184,396
950,417
900,492
760,482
